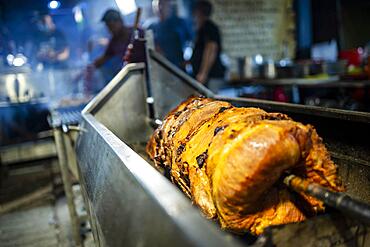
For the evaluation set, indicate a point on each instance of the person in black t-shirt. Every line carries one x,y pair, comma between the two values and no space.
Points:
207,66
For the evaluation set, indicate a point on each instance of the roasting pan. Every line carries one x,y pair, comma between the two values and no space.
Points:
132,204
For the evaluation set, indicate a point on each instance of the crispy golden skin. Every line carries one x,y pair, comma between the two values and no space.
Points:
229,161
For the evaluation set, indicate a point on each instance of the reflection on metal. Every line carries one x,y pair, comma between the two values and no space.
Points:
170,85
124,98
132,204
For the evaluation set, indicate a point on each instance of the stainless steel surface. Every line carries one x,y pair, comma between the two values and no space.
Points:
327,230
124,98
132,204
170,85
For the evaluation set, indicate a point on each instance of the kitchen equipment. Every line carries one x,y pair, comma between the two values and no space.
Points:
19,85
338,200
130,203
248,69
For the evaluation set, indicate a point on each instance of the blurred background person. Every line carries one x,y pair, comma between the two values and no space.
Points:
116,48
206,60
52,49
171,33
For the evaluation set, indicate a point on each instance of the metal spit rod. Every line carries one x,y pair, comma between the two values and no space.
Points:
340,201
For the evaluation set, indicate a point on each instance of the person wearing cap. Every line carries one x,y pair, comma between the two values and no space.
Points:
119,41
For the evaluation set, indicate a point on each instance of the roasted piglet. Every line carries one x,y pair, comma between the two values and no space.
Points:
230,162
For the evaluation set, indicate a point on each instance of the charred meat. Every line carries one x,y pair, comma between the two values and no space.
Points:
230,162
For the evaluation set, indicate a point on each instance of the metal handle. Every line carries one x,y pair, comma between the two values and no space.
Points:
137,18
68,128
340,201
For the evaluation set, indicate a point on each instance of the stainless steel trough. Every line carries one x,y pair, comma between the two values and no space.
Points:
132,204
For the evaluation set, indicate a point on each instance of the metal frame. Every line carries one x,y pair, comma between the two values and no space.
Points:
142,206
132,204
170,85
107,91
65,132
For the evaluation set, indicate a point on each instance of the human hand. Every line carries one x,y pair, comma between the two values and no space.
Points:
201,77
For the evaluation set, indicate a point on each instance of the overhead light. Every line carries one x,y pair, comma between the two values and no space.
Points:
53,4
259,59
155,6
10,59
77,14
19,60
126,6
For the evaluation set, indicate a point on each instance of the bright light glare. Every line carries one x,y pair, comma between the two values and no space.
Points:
126,6
18,61
54,4
78,14
158,122
259,59
283,63
10,59
188,52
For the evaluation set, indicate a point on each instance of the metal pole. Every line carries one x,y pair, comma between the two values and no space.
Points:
337,200
62,157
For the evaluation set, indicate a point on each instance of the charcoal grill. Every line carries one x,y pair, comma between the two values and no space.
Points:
132,204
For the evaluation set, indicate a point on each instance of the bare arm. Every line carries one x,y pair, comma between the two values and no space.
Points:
208,59
106,55
64,55
101,60
54,56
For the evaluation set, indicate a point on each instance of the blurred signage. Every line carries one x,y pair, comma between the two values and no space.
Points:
251,27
